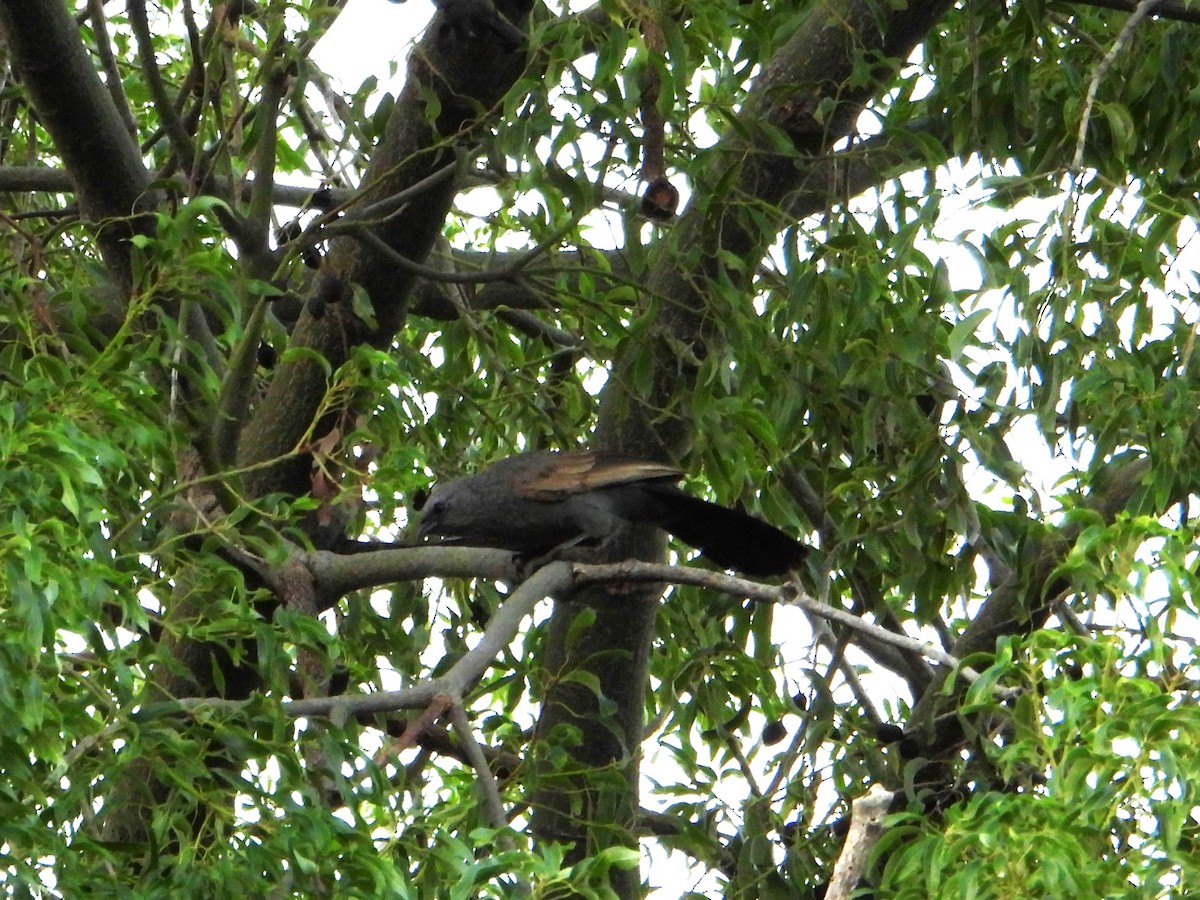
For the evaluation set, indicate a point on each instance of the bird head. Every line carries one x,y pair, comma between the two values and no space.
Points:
437,516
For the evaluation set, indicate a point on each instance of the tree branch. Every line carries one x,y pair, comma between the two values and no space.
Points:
1166,9
501,630
108,62
466,77
866,828
1141,11
73,104
177,134
489,790
788,594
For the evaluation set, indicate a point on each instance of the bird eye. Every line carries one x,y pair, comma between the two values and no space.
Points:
431,518
435,507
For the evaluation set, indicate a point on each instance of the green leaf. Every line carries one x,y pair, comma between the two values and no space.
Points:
962,335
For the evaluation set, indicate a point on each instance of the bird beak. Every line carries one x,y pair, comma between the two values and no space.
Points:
430,527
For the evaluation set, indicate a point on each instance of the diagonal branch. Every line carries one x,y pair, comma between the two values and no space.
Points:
177,134
467,78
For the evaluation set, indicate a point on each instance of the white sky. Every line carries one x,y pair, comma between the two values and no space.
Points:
371,38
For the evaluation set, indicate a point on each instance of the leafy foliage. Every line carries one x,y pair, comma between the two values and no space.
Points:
961,365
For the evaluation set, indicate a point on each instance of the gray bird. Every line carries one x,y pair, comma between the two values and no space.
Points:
543,502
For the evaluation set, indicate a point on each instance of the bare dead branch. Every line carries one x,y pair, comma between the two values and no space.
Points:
866,828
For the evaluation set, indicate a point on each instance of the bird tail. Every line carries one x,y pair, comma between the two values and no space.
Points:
728,537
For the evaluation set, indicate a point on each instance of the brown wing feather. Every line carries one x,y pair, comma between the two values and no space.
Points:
565,474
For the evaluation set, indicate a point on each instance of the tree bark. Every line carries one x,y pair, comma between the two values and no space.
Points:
650,417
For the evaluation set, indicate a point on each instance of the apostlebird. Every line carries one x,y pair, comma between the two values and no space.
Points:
542,502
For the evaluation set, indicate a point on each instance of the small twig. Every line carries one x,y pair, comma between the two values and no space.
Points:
376,243
1072,621
437,706
1143,9
848,672
357,230
501,630
392,204
789,756
731,745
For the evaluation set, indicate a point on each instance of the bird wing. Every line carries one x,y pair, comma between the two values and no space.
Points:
564,474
